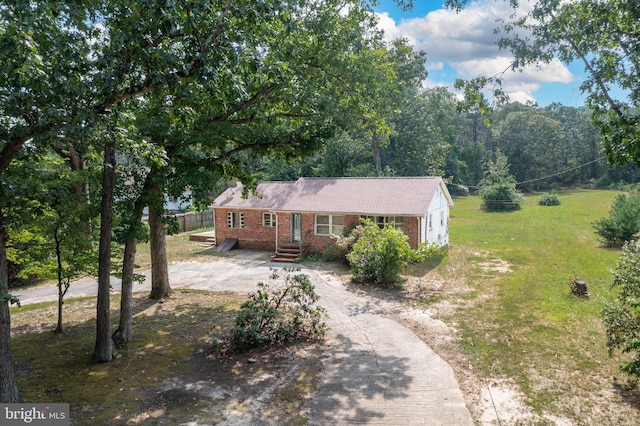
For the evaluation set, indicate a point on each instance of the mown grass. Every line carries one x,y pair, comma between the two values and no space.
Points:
179,249
522,323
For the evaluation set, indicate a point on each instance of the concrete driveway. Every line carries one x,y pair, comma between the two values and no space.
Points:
376,372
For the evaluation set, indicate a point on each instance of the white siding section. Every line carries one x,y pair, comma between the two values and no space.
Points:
435,223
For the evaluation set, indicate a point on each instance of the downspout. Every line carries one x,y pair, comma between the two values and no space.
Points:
277,228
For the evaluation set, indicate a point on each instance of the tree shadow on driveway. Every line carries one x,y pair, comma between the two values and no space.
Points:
357,384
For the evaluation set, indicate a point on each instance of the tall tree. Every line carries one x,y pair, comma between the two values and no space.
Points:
47,236
38,91
603,36
67,65
423,133
532,142
104,348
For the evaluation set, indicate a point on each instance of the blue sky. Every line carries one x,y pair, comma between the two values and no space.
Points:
463,45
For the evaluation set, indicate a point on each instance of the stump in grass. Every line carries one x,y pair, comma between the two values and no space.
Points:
579,288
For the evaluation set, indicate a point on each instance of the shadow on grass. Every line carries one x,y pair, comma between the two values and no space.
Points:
423,268
56,367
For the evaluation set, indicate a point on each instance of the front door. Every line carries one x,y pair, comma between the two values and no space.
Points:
296,227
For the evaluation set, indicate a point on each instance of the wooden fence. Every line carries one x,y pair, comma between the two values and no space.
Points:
195,220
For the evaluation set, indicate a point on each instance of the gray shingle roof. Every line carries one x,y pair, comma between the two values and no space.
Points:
405,196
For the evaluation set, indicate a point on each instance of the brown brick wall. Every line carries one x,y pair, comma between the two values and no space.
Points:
255,236
412,229
252,236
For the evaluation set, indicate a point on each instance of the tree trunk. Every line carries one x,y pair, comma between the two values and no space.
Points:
76,160
60,284
377,158
124,333
104,349
8,387
160,287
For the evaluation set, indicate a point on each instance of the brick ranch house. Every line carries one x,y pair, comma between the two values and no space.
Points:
291,218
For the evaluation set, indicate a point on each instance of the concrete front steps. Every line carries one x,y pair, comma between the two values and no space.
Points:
287,253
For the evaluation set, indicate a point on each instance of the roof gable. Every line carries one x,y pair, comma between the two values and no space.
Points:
374,196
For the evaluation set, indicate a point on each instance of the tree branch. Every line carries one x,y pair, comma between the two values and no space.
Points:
13,146
263,93
613,104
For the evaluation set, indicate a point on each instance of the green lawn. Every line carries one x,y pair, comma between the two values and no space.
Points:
521,322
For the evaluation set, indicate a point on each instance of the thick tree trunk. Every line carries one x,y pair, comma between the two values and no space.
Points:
8,387
104,349
160,287
124,333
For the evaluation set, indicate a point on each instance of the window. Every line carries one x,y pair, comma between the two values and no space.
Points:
396,221
235,220
441,218
269,220
329,225
430,221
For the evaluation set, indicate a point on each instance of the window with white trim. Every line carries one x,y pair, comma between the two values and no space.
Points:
269,220
396,221
235,220
329,225
430,221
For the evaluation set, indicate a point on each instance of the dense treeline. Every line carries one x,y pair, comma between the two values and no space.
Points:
546,147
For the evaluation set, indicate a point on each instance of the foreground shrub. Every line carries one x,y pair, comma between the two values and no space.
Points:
282,311
549,199
622,316
379,255
623,221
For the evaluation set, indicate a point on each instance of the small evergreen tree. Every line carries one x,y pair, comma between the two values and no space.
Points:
622,316
498,187
623,221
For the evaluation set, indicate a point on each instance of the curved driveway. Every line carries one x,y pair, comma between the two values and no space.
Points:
376,371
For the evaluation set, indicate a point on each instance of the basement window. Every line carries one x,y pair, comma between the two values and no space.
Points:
235,220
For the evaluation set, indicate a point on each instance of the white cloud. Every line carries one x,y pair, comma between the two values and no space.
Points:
434,66
467,42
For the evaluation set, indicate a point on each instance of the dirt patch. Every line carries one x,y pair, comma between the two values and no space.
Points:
266,386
